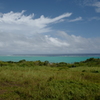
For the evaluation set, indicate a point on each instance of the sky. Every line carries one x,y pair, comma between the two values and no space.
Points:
49,26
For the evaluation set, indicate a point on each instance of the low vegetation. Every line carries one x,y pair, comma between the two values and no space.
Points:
36,80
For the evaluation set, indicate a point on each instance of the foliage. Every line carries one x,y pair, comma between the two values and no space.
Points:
89,62
36,80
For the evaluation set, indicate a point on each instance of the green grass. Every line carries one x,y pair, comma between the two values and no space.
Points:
49,83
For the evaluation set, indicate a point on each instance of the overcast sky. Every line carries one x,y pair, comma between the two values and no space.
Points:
49,26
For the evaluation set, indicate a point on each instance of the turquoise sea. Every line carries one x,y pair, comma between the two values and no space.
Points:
68,58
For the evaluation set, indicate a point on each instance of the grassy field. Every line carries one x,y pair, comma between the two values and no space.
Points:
36,81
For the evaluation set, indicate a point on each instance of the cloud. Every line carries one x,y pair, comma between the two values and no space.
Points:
97,6
94,3
78,44
61,43
16,22
94,18
25,34
76,19
85,2
91,3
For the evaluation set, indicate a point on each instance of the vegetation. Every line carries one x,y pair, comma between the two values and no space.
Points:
36,80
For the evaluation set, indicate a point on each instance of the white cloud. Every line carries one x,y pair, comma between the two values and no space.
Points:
85,2
62,43
94,18
98,10
89,2
76,19
78,44
15,22
92,3
24,34
56,41
97,6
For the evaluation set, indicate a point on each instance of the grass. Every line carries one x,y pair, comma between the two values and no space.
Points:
49,83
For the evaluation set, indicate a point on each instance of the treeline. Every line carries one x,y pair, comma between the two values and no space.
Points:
91,62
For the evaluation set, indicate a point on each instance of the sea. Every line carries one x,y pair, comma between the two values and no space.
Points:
52,58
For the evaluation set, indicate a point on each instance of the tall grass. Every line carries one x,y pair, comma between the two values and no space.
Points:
49,83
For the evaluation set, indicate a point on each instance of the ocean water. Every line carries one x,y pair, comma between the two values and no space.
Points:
68,58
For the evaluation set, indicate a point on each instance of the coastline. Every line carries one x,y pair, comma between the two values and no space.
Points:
53,58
